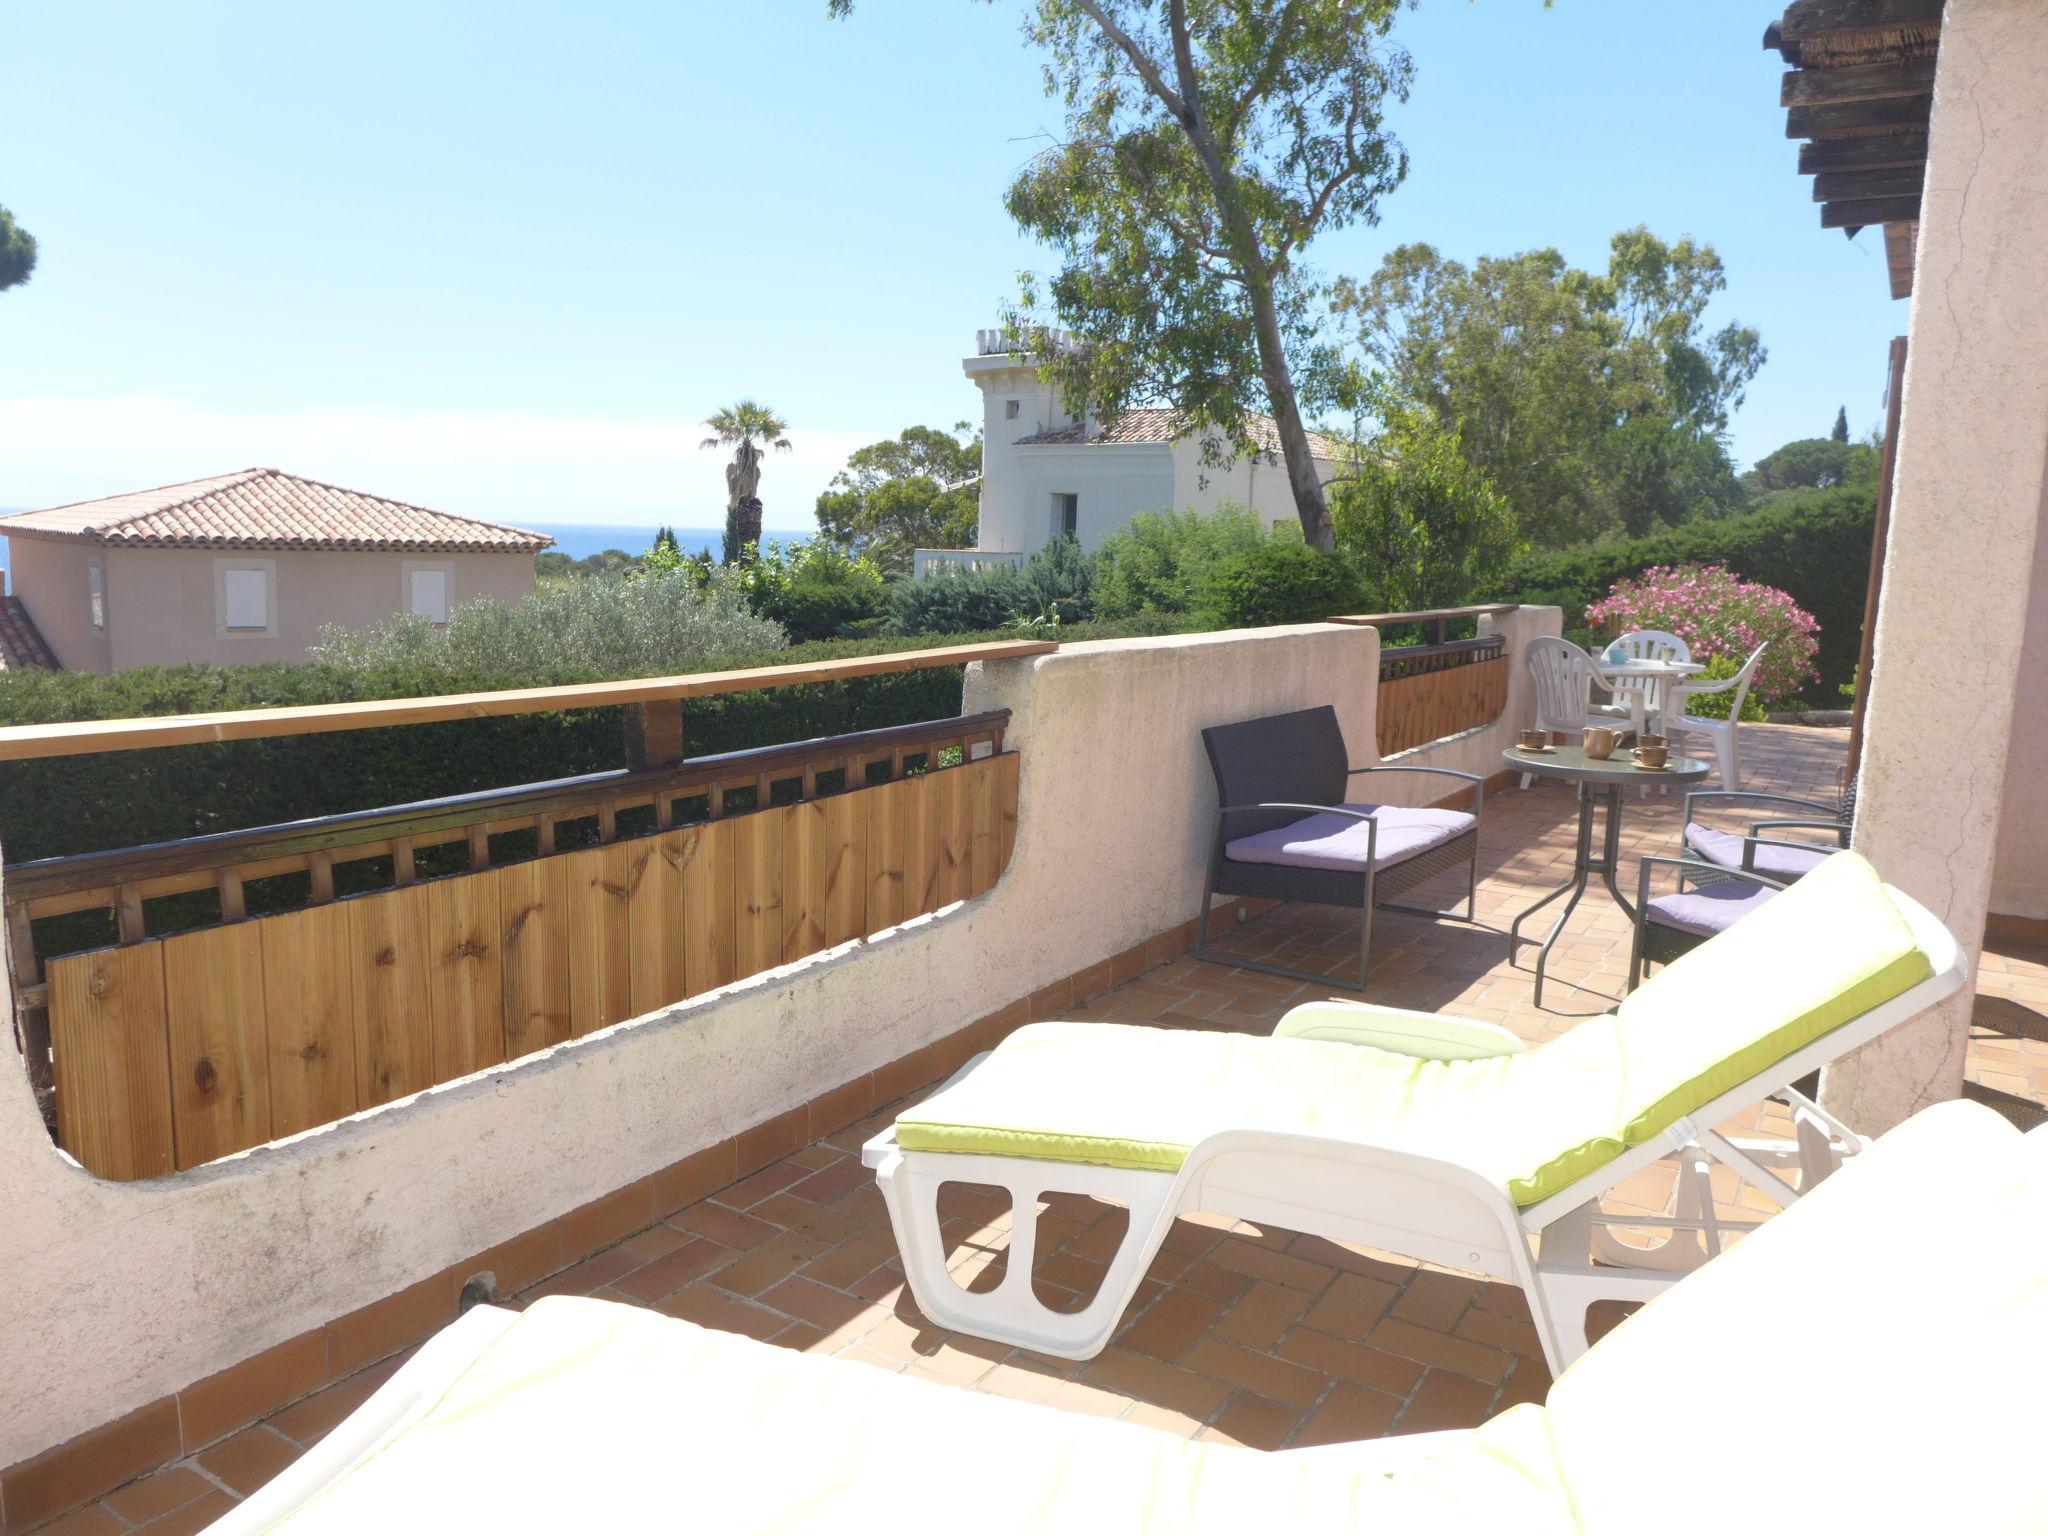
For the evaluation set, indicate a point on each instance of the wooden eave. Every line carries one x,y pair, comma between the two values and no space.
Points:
1860,92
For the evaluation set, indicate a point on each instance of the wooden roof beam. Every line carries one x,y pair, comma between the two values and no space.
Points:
1867,211
1804,18
1879,152
1862,82
1859,119
1848,186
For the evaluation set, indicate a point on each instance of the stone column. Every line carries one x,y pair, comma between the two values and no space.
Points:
1968,501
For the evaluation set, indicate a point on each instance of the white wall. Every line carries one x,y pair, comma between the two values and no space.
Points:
1115,483
118,1294
2019,878
1260,486
1005,520
50,578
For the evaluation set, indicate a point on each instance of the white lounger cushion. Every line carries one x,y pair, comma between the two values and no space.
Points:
1870,1361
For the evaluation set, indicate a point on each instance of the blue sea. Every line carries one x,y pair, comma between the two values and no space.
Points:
581,539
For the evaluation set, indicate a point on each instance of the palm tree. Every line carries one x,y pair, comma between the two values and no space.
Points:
746,428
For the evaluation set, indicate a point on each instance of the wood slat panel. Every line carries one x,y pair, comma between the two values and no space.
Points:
655,922
708,954
923,854
309,1013
984,830
600,960
220,1061
467,977
389,994
533,906
843,826
953,809
887,901
803,879
111,1053
1432,705
757,891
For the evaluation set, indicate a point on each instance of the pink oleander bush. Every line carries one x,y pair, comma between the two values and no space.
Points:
1718,614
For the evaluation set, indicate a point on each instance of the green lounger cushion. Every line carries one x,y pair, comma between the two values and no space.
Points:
1828,949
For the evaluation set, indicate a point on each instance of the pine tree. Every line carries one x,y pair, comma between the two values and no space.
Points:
1841,432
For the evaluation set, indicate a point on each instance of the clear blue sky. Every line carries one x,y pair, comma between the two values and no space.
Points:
500,258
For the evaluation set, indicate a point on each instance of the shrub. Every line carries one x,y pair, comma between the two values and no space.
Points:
1159,561
1714,706
1276,582
1058,581
606,626
1812,544
1420,525
1720,617
952,600
814,590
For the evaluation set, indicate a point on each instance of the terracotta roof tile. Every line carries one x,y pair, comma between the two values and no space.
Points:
267,509
1166,424
21,643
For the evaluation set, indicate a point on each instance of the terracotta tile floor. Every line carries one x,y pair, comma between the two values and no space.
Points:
1266,1338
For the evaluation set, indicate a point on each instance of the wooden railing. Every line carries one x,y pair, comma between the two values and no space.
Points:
167,1050
1439,688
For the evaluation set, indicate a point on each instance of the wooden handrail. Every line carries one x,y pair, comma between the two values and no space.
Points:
1424,615
73,738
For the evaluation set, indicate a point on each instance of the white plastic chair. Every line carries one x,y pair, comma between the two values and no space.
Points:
1646,645
1564,676
1727,745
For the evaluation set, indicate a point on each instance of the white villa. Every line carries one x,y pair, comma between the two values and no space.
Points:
1047,469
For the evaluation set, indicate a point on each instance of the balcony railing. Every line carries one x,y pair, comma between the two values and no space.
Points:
925,561
1439,688
170,1049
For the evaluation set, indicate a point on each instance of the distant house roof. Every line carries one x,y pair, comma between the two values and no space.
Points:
1166,424
268,509
21,643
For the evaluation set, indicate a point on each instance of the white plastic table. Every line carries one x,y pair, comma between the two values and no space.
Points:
1654,676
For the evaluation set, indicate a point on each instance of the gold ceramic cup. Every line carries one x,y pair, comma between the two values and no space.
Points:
1652,757
1535,741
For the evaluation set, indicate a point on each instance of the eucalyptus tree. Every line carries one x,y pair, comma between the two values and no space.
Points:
17,252
1205,144
748,428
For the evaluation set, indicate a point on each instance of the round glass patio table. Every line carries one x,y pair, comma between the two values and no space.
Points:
1599,780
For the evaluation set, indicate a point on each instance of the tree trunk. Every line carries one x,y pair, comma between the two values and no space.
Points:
742,527
1309,504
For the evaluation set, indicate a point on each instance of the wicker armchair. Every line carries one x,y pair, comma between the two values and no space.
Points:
1284,831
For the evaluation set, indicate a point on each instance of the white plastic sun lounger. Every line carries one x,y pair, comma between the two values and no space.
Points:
1441,1139
1913,1390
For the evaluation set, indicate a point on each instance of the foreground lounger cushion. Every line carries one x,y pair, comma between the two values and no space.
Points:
1868,1361
1826,950
1327,841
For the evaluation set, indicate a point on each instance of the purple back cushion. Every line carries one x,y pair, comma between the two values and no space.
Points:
1326,841
1725,849
1710,909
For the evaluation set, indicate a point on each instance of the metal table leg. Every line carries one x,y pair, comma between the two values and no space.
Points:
1583,864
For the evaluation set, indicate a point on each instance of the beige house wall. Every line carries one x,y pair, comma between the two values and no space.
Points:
51,577
1960,576
121,1293
163,605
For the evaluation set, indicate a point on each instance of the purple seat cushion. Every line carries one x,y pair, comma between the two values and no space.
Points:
1709,909
1725,849
1326,841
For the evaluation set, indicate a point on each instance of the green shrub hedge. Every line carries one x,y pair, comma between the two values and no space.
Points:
56,806
1813,544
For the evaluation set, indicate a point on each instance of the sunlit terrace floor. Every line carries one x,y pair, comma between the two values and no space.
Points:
1266,1338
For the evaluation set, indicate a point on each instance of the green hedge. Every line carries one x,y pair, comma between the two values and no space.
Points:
1812,544
56,806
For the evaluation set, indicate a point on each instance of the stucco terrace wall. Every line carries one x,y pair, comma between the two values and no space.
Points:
119,1294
